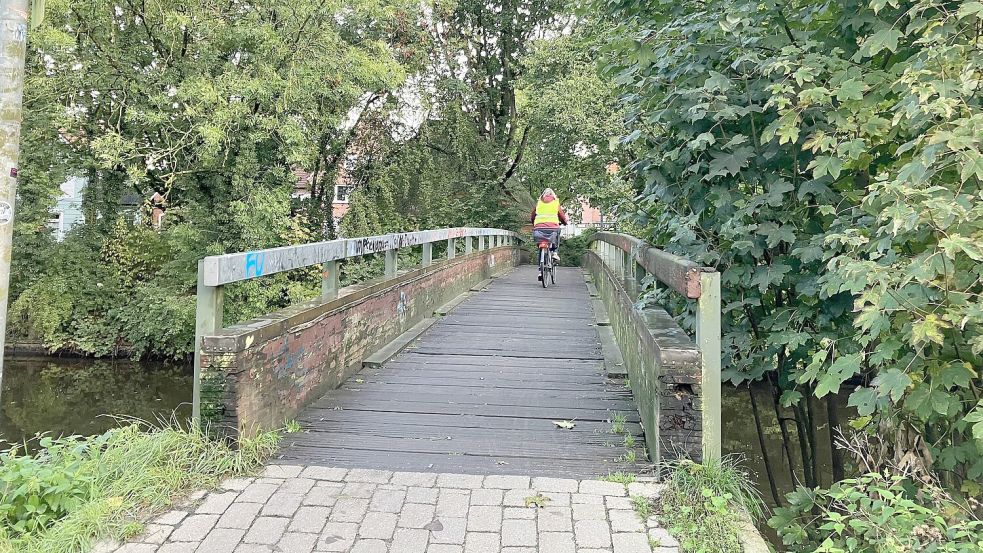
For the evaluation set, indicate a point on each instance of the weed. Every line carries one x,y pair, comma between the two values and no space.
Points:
629,441
629,457
292,427
642,506
620,477
618,425
539,501
654,543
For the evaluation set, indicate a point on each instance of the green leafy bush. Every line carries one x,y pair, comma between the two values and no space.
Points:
701,504
879,513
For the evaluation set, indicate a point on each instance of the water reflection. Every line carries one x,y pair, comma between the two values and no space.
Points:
71,396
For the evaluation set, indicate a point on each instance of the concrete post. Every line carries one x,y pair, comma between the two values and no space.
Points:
13,50
450,248
208,321
427,254
330,280
391,256
708,340
467,246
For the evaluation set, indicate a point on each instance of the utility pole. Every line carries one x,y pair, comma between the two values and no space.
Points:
13,52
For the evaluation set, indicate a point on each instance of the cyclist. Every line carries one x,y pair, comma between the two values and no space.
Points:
546,218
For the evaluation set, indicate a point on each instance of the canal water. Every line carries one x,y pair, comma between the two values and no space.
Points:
62,396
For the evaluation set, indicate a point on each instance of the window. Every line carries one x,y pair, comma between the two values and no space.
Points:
341,193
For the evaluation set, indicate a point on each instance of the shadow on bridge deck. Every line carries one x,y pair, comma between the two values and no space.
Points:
479,391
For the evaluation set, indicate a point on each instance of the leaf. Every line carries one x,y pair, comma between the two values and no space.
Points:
892,383
842,369
864,399
928,329
971,8
885,39
826,165
972,167
850,90
790,398
566,425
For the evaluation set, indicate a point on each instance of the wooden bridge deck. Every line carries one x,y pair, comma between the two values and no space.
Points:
479,391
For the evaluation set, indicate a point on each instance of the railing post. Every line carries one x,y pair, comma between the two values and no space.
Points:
391,256
330,281
427,254
208,321
467,246
450,248
708,340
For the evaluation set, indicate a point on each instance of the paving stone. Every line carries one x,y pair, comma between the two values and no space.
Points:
507,482
453,503
349,509
309,519
487,497
555,519
156,533
253,548
222,540
592,533
239,515
297,542
363,490
557,499
459,481
562,485
368,475
179,547
337,536
518,550
257,493
282,504
297,485
666,550
416,515
625,521
194,528
556,542
652,521
418,479
445,548
635,542
235,484
483,518
138,548
105,546
587,511
517,498
387,500
423,495
378,526
662,537
171,518
216,503
370,546
409,540
448,530
267,530
520,512
645,489
519,532
593,551
623,503
324,473
282,471
600,487
265,480
324,496
480,542
586,499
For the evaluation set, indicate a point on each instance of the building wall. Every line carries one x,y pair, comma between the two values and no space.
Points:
258,374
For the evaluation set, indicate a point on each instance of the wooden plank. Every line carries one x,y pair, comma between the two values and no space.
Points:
393,348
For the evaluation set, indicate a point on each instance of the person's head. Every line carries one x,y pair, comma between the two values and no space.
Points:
548,195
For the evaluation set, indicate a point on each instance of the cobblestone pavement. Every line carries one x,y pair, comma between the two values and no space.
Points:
292,509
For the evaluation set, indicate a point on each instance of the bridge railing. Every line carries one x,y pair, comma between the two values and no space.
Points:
675,380
214,272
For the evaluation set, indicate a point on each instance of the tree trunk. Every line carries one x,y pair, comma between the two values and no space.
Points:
800,427
764,448
836,456
811,429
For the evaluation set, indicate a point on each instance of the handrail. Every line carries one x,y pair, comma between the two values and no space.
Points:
216,271
633,257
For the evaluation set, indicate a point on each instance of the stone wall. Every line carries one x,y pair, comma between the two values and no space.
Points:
261,373
663,366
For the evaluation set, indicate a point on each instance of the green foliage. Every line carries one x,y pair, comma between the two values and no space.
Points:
825,158
700,504
878,512
620,477
76,489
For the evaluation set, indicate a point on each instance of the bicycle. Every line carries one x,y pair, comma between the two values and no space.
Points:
546,263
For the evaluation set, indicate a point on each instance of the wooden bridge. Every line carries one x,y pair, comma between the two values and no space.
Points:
467,364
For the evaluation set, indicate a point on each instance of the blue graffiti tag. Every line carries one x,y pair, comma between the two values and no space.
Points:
254,264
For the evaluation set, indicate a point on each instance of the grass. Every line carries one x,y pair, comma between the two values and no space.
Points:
618,424
629,441
629,457
112,481
700,504
642,506
292,427
620,477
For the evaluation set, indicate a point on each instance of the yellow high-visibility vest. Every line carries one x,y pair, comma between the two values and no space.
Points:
548,212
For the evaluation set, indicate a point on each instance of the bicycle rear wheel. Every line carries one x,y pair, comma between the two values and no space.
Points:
543,265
